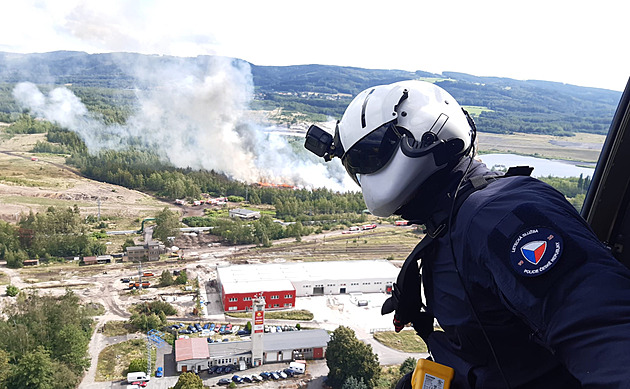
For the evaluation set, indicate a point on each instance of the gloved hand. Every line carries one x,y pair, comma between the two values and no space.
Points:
404,382
422,322
407,302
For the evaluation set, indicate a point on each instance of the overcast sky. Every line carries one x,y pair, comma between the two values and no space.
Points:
576,42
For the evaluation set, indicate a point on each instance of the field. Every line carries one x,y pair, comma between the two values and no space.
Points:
114,360
581,147
27,185
407,341
384,242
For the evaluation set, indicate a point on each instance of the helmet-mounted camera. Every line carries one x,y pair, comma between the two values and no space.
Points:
322,143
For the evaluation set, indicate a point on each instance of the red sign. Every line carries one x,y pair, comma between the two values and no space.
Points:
259,321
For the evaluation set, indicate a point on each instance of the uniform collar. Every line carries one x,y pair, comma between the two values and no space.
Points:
432,203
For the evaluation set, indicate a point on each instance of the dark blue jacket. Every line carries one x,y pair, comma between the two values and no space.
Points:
553,302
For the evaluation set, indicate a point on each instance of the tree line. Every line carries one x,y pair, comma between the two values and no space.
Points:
55,233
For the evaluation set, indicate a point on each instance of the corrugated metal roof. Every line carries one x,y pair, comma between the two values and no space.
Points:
277,341
361,270
193,348
254,286
274,341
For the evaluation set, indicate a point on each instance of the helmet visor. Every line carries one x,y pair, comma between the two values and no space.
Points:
371,152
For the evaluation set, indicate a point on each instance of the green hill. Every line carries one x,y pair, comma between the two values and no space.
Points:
104,82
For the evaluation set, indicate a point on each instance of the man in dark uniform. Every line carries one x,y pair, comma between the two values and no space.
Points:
526,295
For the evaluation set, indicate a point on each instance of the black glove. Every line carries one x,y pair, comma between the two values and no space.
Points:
422,322
404,382
407,301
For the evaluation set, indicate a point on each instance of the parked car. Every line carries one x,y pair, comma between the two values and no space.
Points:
265,375
256,378
141,384
282,374
159,372
248,379
274,375
224,381
289,372
237,379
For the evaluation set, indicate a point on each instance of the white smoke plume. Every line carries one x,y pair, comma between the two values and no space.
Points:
192,116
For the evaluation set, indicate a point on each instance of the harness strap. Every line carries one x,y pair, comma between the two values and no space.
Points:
406,299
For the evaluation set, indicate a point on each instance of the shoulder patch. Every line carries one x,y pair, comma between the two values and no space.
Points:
535,250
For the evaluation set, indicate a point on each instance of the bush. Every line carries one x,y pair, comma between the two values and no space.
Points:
166,279
182,278
12,290
137,365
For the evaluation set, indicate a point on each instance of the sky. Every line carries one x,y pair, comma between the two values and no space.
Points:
575,42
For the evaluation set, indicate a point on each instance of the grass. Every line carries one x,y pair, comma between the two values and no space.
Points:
434,79
407,341
94,309
42,201
114,360
21,182
389,376
381,243
298,314
475,110
544,146
117,328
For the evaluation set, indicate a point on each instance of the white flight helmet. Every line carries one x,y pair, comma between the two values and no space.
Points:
395,136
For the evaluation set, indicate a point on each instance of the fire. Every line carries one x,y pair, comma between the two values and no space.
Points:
271,185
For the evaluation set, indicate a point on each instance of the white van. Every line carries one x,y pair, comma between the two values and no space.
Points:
298,368
137,376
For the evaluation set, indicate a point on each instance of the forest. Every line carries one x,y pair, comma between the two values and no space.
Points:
44,341
55,233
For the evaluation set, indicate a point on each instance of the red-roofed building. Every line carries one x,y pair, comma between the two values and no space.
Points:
191,354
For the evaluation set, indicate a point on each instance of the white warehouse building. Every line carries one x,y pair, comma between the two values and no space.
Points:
314,278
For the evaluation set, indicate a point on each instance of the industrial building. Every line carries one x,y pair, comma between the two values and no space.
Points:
244,214
238,296
191,354
148,252
195,354
281,283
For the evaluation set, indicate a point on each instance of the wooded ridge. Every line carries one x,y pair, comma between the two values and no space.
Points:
105,83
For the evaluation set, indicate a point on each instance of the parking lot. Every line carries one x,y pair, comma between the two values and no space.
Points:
329,312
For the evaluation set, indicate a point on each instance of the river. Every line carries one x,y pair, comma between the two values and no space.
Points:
542,167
